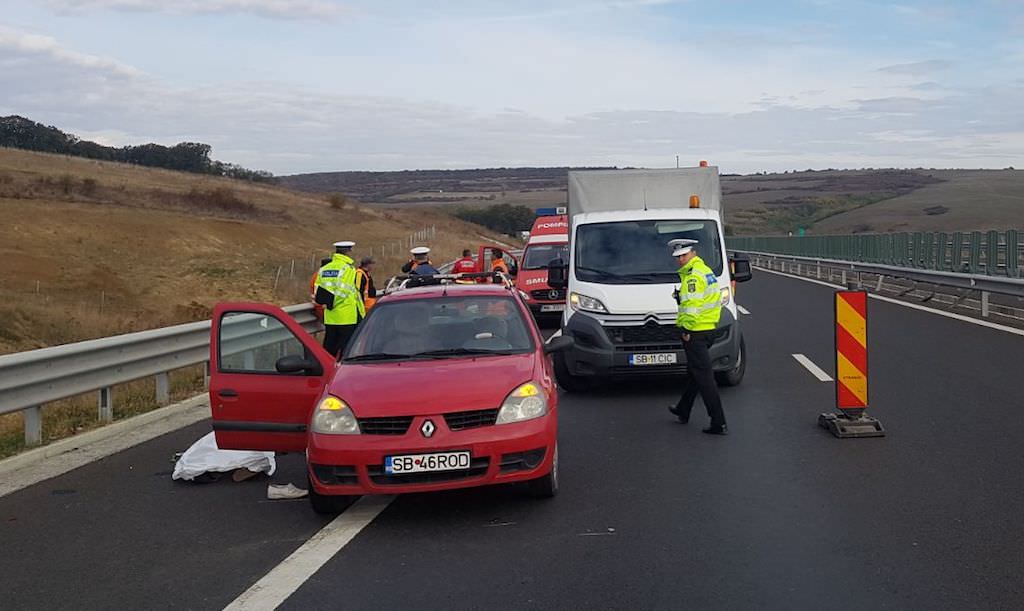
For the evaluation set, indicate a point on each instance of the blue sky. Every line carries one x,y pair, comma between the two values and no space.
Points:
318,85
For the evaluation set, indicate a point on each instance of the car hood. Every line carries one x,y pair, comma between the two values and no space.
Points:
435,386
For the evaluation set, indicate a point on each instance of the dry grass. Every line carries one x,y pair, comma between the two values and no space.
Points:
90,249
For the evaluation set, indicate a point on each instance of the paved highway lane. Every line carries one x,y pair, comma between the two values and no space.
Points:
652,514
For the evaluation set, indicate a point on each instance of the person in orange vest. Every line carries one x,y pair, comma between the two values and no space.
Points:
317,308
364,282
497,262
465,265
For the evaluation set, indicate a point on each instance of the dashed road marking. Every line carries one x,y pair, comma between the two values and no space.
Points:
816,371
742,309
283,580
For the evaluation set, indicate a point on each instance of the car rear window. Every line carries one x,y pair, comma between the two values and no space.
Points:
442,326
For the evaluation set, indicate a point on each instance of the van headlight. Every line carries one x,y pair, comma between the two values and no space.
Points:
334,417
527,402
584,302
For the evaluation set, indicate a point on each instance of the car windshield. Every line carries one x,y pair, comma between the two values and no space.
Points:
637,252
441,327
538,256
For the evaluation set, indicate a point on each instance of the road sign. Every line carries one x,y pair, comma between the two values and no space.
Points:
851,314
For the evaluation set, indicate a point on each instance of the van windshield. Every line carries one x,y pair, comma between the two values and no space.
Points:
539,255
637,252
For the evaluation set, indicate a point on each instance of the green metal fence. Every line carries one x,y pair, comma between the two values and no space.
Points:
993,253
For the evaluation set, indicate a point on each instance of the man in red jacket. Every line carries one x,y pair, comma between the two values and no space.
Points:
465,265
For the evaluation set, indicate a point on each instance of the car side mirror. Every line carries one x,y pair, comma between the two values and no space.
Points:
557,272
739,263
558,344
295,364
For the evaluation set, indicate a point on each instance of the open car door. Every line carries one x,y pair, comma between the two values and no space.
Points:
266,373
485,257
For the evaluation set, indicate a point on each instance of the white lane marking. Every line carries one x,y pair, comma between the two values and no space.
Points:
913,306
284,579
814,369
742,309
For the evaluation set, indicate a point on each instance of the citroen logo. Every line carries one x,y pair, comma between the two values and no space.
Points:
428,428
553,294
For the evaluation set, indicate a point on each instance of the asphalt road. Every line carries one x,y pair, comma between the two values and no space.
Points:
652,514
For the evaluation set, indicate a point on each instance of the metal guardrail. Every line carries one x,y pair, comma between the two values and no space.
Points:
30,379
955,288
990,253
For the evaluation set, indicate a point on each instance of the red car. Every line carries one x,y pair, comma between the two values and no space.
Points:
443,386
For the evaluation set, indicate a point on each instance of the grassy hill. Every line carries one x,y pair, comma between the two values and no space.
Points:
832,201
91,248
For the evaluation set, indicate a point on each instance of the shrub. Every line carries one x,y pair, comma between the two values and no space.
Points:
338,201
220,199
89,186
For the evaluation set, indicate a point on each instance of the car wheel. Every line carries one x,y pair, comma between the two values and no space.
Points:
568,381
329,504
734,376
546,486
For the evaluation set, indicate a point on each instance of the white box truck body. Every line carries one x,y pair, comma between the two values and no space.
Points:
621,273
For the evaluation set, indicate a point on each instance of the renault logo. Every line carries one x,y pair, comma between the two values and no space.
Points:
428,429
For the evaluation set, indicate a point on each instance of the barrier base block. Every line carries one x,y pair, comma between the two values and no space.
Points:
842,426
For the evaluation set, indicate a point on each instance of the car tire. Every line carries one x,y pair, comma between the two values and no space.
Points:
329,504
734,376
568,381
546,486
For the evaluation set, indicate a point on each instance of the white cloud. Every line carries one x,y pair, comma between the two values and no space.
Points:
26,45
922,68
275,9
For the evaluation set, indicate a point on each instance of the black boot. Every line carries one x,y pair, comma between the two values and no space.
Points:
717,430
674,409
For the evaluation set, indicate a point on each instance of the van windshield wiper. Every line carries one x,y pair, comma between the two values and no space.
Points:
600,272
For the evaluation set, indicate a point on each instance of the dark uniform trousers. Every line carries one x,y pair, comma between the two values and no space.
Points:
700,378
336,337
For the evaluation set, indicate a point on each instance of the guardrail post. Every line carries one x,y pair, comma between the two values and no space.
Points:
844,278
878,287
163,389
206,375
106,411
984,304
249,360
819,270
33,425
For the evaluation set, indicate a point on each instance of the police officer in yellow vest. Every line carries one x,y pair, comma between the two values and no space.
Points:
700,306
336,289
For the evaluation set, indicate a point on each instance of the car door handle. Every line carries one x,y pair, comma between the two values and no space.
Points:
227,392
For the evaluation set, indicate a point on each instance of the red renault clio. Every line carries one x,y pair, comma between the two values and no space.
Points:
442,386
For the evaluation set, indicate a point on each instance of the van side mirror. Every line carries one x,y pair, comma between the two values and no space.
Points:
558,344
296,364
557,274
739,264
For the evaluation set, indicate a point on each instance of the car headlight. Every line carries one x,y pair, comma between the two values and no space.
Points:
583,302
334,417
527,402
726,296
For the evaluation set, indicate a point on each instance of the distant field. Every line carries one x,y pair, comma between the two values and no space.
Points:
830,201
90,248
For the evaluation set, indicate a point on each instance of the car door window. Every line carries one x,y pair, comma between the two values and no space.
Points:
253,343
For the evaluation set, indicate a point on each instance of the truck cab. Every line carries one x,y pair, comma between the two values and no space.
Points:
548,241
620,274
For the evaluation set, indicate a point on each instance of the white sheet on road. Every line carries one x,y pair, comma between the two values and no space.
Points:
204,456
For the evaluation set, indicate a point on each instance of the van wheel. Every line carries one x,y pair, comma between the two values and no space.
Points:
568,381
329,504
546,486
734,376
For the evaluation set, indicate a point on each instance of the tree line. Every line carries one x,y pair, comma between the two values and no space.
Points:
21,133
504,218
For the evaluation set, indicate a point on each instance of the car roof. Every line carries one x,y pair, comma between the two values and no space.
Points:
449,290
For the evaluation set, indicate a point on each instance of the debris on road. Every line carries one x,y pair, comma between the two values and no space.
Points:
205,457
